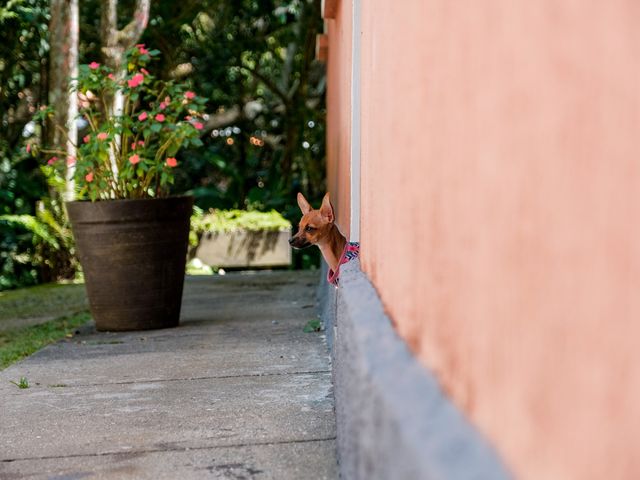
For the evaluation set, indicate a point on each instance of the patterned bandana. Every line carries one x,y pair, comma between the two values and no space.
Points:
351,251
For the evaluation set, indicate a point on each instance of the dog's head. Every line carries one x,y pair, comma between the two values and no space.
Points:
314,224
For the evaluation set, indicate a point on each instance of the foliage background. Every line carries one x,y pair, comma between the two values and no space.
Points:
263,141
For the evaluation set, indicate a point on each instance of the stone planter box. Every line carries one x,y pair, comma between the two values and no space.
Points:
243,248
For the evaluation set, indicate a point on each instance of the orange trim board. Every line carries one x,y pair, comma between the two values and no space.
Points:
322,47
329,8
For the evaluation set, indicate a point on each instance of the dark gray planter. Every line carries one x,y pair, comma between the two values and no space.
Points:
133,254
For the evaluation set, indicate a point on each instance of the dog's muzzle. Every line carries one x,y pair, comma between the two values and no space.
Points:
299,243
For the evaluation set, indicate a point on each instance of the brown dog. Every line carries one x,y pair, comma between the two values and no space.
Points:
317,227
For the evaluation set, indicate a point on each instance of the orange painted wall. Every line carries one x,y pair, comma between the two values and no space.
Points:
339,112
501,216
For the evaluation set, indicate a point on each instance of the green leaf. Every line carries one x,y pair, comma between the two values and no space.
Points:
312,326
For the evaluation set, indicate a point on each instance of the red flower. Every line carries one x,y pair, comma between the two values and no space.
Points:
143,116
172,162
133,146
160,117
28,148
144,70
94,65
89,177
136,80
133,159
198,125
111,77
141,49
163,105
52,160
189,95
102,136
86,139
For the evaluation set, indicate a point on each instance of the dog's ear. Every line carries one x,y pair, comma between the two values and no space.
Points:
305,207
326,210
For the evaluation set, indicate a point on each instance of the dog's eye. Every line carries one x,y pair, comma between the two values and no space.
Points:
309,229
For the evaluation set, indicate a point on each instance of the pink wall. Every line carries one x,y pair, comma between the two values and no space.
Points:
339,31
500,216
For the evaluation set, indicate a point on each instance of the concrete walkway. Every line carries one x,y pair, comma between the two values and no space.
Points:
238,391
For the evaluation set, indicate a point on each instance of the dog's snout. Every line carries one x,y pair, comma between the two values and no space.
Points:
291,240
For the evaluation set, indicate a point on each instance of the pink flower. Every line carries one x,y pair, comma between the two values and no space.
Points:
172,162
111,77
136,80
86,139
163,105
143,116
160,117
71,161
144,70
198,125
141,49
133,159
94,65
141,143
28,148
102,136
167,100
52,160
187,118
189,95
89,177
133,146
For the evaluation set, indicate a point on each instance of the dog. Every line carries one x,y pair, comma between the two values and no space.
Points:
317,227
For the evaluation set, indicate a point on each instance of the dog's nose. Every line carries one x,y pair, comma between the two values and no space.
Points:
291,240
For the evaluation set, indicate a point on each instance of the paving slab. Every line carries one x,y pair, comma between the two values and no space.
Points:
237,391
285,461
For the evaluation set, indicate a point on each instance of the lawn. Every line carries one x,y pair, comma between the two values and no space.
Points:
31,318
34,305
18,343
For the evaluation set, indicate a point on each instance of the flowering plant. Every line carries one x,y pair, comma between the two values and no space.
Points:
129,150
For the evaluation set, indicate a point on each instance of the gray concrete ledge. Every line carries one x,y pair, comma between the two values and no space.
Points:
394,422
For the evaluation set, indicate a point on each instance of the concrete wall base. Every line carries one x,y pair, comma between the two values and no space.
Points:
393,420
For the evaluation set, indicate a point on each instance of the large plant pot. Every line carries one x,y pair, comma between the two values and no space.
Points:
133,255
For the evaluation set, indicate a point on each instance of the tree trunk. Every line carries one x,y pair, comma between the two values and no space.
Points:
115,44
63,69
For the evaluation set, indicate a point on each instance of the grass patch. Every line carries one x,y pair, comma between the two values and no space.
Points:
23,383
39,302
16,344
